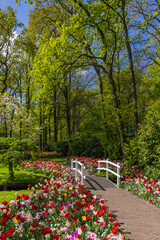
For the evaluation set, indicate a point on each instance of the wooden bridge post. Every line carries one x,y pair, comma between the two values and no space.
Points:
76,168
98,166
107,169
71,164
118,174
82,171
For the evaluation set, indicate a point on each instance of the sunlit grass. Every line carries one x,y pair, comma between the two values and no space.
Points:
60,159
11,195
21,176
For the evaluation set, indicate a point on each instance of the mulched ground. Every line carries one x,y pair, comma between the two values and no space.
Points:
138,219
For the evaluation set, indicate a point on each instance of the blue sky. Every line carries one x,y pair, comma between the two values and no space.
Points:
22,9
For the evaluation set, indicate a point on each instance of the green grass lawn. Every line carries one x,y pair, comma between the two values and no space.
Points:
20,176
60,159
11,195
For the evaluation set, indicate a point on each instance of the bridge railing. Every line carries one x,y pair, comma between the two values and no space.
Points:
77,170
109,170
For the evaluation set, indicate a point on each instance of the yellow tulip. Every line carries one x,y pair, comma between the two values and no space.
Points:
15,221
84,218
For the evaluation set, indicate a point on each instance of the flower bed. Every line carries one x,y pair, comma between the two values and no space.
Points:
43,154
92,164
62,208
134,181
144,187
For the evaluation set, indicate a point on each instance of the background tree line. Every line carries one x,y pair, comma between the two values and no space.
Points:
83,78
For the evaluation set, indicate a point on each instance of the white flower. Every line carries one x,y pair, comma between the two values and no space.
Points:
50,210
2,206
68,224
101,219
12,202
91,207
47,236
94,197
91,235
63,229
29,217
95,213
79,231
4,210
20,229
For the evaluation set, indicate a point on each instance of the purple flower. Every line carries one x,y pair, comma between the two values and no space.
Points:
74,234
73,194
67,203
40,178
59,185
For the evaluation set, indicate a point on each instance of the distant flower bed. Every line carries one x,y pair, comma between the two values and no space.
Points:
92,164
62,208
48,154
41,166
28,155
89,162
134,182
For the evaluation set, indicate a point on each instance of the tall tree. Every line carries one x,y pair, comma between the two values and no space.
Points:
8,26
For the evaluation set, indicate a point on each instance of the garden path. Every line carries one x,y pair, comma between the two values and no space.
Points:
137,219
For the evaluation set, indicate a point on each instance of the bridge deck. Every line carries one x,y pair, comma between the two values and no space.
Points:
95,183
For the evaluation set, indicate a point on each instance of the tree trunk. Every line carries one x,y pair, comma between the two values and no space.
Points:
67,107
28,101
4,89
5,128
40,126
43,129
45,136
49,127
20,124
11,129
133,81
11,173
118,77
68,121
61,129
73,120
55,114
117,111
100,84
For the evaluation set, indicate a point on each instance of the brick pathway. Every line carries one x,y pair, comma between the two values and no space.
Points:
138,219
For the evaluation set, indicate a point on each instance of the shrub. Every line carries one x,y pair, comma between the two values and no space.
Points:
149,137
112,148
82,145
132,152
152,172
62,147
11,151
86,146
